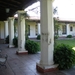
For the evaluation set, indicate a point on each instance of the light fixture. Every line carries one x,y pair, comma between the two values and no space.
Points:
7,10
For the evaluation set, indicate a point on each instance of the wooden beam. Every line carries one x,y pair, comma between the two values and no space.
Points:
8,4
3,6
15,1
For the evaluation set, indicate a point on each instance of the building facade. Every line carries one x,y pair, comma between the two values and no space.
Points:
65,28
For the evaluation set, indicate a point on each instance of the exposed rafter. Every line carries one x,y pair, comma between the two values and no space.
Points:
13,6
15,1
8,4
3,7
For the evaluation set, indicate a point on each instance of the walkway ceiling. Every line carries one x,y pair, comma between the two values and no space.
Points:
9,7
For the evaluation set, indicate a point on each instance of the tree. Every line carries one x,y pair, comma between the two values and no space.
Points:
56,26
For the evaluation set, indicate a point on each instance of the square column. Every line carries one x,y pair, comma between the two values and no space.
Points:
68,29
5,29
11,31
21,33
47,37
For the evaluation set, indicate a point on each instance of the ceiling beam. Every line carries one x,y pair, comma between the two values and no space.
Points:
15,1
3,6
8,4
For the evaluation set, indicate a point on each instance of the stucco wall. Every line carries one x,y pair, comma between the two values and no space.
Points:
72,32
67,30
32,29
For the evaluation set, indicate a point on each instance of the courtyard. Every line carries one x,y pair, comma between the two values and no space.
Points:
21,64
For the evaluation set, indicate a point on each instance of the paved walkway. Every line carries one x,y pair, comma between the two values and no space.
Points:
25,64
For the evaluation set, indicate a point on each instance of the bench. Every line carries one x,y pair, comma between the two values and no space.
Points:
3,61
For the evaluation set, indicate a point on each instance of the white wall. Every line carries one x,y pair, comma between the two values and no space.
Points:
60,31
74,29
68,30
39,29
33,33
32,29
72,32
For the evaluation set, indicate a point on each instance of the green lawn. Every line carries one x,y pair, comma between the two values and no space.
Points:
67,42
70,42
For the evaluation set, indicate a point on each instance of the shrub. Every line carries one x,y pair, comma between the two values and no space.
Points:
15,42
64,55
38,37
31,46
26,37
56,37
7,39
69,36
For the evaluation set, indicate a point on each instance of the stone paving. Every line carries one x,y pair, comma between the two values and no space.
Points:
25,64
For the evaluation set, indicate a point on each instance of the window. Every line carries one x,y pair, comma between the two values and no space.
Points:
71,28
63,29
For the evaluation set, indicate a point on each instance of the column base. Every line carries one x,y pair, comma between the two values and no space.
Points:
10,46
44,69
21,52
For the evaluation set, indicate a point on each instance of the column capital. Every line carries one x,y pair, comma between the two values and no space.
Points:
5,21
53,0
20,11
11,18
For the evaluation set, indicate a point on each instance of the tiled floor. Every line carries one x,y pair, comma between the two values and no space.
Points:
21,64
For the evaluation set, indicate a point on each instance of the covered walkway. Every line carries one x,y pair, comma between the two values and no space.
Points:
21,64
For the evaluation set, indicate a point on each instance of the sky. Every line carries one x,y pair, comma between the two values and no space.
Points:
66,9
34,12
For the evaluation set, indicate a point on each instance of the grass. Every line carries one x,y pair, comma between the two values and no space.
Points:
67,42
70,42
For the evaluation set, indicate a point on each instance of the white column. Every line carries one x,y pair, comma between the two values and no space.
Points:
11,30
5,29
68,29
38,28
21,33
47,35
